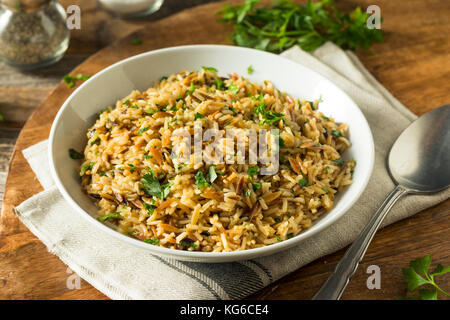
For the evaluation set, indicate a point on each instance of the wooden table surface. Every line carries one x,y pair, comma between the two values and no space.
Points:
413,64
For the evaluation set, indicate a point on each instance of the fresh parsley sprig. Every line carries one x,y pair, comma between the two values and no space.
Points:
418,275
153,187
286,24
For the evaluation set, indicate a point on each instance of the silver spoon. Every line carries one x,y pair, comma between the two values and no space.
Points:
419,162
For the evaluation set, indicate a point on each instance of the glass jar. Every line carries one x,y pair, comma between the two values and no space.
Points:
33,33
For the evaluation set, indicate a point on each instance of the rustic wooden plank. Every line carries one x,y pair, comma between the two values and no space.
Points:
413,64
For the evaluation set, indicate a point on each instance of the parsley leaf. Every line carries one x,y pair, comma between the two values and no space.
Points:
303,182
153,187
187,243
74,154
114,215
256,186
269,117
210,69
153,240
142,130
250,69
149,207
70,80
233,88
418,275
252,171
219,83
198,116
86,167
200,180
336,133
191,89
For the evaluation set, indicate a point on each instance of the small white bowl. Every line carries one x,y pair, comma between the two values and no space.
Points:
80,111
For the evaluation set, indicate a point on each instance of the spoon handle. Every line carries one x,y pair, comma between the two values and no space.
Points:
335,285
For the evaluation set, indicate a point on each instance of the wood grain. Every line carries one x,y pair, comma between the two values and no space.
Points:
413,63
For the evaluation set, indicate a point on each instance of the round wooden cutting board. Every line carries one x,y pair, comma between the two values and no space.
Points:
410,54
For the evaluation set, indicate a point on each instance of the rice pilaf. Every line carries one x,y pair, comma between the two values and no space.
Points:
129,170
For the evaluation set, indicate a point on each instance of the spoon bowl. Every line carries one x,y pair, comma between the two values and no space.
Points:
419,159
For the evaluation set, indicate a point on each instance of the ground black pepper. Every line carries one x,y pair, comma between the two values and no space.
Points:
32,33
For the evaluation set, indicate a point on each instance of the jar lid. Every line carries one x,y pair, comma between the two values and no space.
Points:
23,5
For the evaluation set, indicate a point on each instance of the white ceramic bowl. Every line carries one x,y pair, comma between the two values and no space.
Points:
80,111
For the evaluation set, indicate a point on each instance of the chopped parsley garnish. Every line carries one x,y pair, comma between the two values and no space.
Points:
149,207
336,133
153,240
233,88
290,235
250,69
252,171
256,186
269,117
134,106
219,83
70,80
303,182
279,239
152,111
325,190
187,243
210,69
248,192
191,89
212,175
132,167
281,142
277,220
126,102
200,180
136,41
325,118
173,108
339,162
114,215
326,169
198,116
142,130
147,156
102,174
95,141
86,167
153,187
74,154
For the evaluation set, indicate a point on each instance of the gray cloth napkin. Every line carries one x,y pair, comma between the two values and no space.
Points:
122,271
